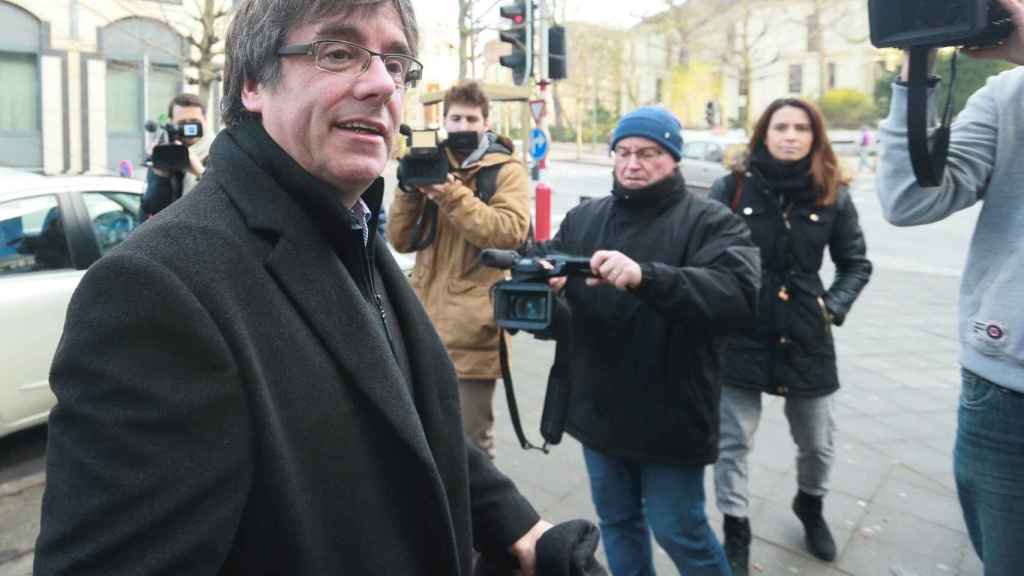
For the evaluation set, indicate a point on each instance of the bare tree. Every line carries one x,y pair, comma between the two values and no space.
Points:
746,54
472,14
827,18
210,20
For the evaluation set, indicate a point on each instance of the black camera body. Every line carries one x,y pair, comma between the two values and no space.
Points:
425,163
526,302
169,154
938,23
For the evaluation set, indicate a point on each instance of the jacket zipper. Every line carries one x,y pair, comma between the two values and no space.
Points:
378,300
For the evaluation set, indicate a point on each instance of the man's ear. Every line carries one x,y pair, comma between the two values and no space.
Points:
252,96
487,124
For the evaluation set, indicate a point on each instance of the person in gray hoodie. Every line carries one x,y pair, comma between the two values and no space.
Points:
986,163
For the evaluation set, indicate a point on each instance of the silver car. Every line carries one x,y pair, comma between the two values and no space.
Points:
704,159
51,230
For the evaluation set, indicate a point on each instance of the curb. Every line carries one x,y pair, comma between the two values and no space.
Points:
20,485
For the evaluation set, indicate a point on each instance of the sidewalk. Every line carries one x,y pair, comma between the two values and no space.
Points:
893,506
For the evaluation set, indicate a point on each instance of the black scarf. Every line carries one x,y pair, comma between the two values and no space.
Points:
792,181
653,195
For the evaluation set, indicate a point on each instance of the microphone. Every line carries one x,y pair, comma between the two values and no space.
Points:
504,259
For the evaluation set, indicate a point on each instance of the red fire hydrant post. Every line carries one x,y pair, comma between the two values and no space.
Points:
542,214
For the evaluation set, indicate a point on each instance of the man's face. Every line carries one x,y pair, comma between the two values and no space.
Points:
339,128
465,118
640,162
180,114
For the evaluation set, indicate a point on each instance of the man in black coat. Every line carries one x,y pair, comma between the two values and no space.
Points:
674,272
248,385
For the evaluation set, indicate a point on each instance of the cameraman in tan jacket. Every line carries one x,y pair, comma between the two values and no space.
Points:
448,277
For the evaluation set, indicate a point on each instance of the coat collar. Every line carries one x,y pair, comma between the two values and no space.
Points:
327,296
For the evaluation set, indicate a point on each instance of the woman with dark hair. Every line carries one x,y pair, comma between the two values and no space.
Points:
794,197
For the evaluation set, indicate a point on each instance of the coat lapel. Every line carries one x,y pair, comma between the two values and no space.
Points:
323,292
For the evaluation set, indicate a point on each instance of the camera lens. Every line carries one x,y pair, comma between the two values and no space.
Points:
530,307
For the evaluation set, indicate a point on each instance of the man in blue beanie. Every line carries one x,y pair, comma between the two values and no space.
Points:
673,273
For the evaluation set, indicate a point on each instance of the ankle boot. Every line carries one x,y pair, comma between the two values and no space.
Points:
819,539
737,544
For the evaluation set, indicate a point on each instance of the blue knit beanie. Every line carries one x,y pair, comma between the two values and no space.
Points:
654,123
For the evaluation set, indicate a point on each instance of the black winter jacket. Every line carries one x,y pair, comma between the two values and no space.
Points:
643,367
790,351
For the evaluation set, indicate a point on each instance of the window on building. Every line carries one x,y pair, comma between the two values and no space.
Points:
658,85
162,87
796,78
813,34
831,75
744,86
19,99
124,98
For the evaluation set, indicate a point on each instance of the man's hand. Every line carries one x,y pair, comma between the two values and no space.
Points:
194,165
1013,49
525,549
435,190
615,268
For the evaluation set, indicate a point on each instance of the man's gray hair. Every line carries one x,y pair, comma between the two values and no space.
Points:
260,27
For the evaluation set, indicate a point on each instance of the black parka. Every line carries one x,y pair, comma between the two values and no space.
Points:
643,366
790,351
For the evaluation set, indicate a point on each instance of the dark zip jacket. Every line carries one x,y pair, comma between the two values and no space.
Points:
790,352
643,366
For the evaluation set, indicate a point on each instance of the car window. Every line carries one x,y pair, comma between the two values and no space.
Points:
32,236
694,150
713,153
113,215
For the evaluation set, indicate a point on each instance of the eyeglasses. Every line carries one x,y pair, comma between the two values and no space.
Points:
642,155
348,59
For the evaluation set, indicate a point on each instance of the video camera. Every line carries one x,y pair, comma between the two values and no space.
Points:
937,23
526,302
425,163
170,154
920,26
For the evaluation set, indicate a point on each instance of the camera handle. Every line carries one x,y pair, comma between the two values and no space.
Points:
929,164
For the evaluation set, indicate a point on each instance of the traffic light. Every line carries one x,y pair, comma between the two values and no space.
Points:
557,53
709,113
520,36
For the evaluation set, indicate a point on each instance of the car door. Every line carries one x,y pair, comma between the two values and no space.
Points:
37,278
691,165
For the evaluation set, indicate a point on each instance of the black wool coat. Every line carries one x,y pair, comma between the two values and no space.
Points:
229,401
790,351
643,366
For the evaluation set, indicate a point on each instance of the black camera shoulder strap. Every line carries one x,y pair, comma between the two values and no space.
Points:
929,164
510,396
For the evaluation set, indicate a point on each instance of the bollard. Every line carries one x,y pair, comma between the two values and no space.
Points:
542,214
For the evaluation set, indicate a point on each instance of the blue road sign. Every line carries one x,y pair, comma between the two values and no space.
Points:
538,144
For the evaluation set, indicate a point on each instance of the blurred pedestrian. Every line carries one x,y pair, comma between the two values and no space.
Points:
984,165
792,194
864,148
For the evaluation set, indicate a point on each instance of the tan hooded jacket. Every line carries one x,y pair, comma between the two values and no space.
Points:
448,277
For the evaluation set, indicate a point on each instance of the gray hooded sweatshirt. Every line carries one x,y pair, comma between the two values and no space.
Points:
986,163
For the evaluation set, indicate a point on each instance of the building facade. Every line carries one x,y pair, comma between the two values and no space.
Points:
82,77
741,55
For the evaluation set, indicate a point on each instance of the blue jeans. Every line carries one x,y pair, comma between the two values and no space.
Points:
629,495
989,465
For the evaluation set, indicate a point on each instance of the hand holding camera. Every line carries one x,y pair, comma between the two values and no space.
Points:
1013,49
172,152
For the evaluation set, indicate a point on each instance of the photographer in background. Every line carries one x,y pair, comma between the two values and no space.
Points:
674,273
163,187
484,204
984,164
